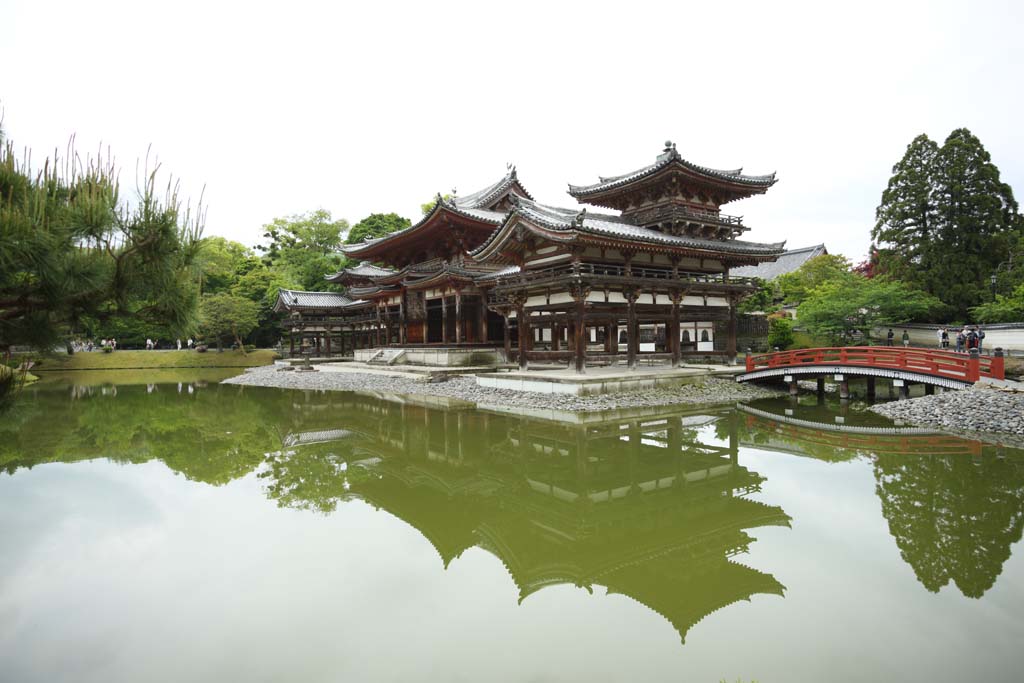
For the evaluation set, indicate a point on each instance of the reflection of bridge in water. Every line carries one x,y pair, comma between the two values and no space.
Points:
806,437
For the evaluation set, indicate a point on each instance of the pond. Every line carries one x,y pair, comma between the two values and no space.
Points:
168,528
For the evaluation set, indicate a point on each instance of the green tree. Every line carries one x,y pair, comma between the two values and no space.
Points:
429,206
260,285
227,316
946,220
794,287
1005,309
304,248
71,249
222,262
906,218
841,308
780,332
376,225
760,301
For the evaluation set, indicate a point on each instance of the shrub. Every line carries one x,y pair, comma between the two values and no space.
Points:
780,332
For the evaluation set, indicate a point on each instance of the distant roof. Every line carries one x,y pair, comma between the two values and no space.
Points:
290,299
786,263
367,269
667,158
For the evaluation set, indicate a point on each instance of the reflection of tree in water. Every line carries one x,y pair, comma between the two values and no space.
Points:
954,518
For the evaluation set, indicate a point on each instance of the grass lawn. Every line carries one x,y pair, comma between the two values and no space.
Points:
131,360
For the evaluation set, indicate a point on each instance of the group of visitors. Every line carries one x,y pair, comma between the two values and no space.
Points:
970,337
153,344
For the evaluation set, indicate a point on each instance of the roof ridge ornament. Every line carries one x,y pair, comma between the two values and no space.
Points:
670,151
577,221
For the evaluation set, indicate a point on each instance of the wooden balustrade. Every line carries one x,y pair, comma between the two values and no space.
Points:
939,363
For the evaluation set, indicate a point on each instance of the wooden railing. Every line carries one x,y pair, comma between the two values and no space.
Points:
619,271
948,364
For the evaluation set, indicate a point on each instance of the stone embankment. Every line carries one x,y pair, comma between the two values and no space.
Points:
980,410
713,390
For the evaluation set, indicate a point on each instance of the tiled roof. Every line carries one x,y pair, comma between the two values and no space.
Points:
485,198
463,206
367,269
667,158
570,220
786,263
290,299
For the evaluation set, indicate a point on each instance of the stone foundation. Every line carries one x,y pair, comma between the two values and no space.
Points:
452,356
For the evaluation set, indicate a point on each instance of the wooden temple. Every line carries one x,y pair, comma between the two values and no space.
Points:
496,269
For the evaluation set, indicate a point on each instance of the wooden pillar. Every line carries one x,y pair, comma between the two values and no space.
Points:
632,329
523,325
871,388
328,336
730,341
483,318
403,332
929,389
673,329
444,320
507,338
579,295
821,386
291,342
458,316
556,336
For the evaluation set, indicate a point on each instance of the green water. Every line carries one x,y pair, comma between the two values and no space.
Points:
181,530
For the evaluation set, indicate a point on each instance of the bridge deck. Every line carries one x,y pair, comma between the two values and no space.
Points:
935,366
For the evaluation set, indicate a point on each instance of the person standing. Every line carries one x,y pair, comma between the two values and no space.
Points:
938,337
906,339
190,342
981,338
178,341
945,338
889,336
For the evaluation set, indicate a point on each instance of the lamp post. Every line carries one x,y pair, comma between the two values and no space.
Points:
992,279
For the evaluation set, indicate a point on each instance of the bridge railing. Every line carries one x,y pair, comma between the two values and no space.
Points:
948,364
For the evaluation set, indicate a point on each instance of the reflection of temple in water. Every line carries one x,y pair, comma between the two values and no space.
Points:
640,506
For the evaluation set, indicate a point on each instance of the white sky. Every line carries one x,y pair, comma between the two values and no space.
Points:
282,108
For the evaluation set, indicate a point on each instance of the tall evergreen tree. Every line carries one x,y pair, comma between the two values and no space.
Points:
946,220
977,214
905,220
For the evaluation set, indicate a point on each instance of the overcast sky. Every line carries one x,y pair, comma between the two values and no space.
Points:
285,107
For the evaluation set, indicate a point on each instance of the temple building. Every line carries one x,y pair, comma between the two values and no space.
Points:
496,271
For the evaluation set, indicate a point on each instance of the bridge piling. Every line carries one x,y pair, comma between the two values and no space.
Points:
821,386
871,388
929,389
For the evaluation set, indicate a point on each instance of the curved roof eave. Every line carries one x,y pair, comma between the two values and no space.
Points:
734,176
368,247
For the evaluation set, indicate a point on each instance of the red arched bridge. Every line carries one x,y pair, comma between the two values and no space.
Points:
932,367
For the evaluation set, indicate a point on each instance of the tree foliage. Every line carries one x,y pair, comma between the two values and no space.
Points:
304,248
780,332
1005,309
794,287
71,248
227,316
946,220
853,305
376,225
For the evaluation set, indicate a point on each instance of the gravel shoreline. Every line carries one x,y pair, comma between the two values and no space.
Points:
714,390
978,410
